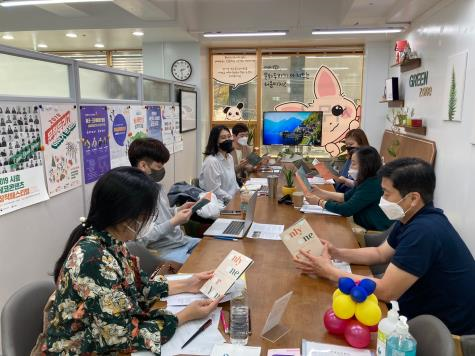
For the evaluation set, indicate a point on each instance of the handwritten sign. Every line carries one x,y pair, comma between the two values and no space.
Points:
234,69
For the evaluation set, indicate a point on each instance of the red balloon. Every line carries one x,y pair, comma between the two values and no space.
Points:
373,328
334,324
357,334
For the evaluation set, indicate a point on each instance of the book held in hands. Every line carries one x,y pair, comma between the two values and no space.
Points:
300,236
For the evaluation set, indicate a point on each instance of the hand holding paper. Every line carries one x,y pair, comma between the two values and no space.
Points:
300,236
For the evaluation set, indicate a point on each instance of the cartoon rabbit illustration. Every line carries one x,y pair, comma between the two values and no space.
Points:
340,114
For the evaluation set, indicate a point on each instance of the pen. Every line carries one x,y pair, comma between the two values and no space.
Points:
226,238
249,316
225,325
199,331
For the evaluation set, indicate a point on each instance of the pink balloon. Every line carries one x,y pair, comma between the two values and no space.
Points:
357,334
334,324
373,328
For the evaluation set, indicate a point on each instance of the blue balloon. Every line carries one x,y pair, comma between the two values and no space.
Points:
358,294
368,284
345,284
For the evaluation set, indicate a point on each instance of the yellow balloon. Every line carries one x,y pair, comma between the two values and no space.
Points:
337,293
372,298
368,313
344,306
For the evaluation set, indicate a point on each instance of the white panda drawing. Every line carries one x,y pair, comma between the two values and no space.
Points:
234,112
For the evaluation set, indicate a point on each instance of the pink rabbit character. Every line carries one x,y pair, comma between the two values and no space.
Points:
340,114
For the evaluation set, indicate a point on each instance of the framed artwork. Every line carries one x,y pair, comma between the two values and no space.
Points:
188,110
455,86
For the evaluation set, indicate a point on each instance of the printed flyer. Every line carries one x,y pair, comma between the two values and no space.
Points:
119,122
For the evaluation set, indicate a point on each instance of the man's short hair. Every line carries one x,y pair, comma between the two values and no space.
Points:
148,149
411,175
239,128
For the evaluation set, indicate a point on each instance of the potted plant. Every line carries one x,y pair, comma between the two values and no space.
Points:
289,187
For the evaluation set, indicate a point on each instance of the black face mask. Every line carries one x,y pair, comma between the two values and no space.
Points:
351,149
157,174
226,146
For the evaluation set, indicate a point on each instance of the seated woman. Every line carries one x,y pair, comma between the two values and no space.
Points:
103,301
217,174
362,201
354,139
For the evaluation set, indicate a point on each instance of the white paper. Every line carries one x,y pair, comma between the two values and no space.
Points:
251,187
342,265
310,348
277,312
316,209
235,350
257,181
320,180
202,344
265,231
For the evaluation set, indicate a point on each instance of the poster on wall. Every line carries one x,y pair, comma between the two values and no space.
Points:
19,137
22,188
154,122
138,122
95,142
168,125
60,139
455,86
119,123
188,110
234,69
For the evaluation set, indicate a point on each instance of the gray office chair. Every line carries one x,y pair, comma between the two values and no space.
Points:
374,239
148,261
468,345
432,336
22,318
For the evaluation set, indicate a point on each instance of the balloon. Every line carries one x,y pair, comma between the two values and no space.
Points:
337,293
368,284
358,294
344,306
373,328
357,335
368,313
345,284
334,324
372,298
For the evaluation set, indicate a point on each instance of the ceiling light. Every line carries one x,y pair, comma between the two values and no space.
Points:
138,33
99,45
357,31
7,36
71,35
42,45
245,34
43,2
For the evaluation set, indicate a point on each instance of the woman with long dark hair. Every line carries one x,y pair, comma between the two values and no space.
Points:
362,201
218,174
103,299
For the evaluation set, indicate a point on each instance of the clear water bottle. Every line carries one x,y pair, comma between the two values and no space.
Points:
239,328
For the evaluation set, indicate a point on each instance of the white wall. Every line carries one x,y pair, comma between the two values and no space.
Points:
446,31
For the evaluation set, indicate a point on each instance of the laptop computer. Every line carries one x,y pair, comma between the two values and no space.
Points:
231,227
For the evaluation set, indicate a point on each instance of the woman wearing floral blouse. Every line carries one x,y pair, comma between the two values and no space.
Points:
103,299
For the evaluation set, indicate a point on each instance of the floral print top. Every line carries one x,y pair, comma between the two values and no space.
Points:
103,300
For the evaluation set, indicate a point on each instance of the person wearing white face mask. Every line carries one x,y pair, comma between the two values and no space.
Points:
362,201
431,270
164,233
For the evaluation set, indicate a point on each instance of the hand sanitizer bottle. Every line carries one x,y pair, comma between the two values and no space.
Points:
401,343
386,327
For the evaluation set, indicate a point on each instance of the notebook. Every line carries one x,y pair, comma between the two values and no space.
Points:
302,181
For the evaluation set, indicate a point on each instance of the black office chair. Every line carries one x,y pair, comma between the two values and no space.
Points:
374,239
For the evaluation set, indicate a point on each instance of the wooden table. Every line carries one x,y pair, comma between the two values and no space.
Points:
273,274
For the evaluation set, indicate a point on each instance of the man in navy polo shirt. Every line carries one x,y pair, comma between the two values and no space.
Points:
431,270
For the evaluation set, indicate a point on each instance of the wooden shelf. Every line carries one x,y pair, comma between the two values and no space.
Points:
416,130
408,65
393,103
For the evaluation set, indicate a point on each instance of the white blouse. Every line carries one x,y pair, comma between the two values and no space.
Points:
218,176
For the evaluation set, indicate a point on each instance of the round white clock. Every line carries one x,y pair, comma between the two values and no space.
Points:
181,69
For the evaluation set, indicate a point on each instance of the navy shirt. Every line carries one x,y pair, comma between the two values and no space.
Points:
428,247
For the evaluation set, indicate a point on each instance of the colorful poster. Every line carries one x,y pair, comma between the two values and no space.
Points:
177,136
19,137
168,125
119,122
60,139
138,124
95,142
22,188
154,122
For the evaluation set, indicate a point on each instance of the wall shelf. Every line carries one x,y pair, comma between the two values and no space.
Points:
393,103
416,130
408,65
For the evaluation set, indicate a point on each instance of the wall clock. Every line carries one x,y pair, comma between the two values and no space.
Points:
181,69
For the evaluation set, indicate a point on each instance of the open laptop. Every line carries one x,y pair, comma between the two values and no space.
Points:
234,228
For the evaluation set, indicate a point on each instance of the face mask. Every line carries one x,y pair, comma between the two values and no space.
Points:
243,141
157,174
351,149
353,173
226,146
392,210
144,231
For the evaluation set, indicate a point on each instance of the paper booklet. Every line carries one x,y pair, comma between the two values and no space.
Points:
286,352
302,181
324,171
310,348
228,271
301,236
235,350
254,159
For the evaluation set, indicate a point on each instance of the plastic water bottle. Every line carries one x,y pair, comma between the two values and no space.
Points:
401,343
239,328
386,327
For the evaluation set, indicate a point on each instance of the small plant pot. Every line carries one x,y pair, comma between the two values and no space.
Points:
288,190
402,119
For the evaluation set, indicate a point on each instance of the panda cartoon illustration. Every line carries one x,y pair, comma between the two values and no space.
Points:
234,112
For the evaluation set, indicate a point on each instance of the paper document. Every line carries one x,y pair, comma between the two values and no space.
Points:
286,352
257,181
310,348
251,187
300,236
316,209
320,180
265,231
342,265
235,350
